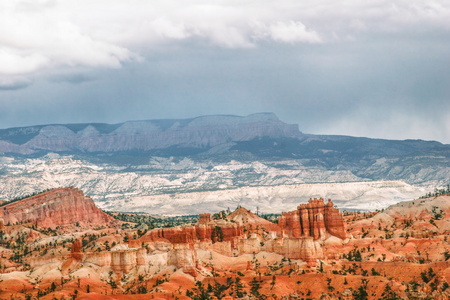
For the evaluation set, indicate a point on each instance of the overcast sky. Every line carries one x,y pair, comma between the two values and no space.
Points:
363,68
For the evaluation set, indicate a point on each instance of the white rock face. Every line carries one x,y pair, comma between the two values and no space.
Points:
188,187
274,199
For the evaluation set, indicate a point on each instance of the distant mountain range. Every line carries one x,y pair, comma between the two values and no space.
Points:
208,153
197,134
223,137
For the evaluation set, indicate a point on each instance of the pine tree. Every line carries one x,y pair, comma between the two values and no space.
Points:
255,286
238,287
273,281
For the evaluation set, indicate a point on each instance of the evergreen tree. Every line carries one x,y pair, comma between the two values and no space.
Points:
361,292
273,281
238,288
255,286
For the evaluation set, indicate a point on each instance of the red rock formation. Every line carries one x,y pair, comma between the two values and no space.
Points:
32,236
310,222
101,259
123,260
76,246
184,256
75,251
60,206
204,232
191,234
204,218
314,219
190,270
248,219
333,221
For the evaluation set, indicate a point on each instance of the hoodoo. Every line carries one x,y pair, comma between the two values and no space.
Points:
314,219
296,236
402,251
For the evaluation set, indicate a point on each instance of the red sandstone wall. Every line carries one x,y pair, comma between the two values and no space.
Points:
191,234
56,207
314,219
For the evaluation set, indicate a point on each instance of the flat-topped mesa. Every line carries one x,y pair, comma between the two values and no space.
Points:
61,206
313,219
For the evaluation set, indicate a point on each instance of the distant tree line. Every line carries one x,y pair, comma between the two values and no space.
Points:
151,221
24,197
438,192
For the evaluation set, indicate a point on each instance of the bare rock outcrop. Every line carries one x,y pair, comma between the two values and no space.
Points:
123,260
184,256
297,236
56,207
314,219
298,232
253,222
211,231
75,250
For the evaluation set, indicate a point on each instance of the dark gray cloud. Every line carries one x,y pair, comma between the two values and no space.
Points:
74,78
379,70
14,83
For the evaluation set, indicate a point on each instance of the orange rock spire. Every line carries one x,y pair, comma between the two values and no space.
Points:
314,219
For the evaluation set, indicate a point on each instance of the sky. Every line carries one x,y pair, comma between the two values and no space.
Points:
373,68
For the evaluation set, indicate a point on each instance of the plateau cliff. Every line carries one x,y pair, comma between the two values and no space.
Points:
197,133
61,206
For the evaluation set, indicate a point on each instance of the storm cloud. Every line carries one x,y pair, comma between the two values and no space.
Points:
377,69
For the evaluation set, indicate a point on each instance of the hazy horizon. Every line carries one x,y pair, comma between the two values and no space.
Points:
189,118
377,69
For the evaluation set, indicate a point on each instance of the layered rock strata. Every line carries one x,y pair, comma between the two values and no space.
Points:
296,236
203,231
125,260
201,132
56,207
314,219
75,250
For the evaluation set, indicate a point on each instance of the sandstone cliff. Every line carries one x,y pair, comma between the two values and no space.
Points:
314,219
204,230
296,236
56,207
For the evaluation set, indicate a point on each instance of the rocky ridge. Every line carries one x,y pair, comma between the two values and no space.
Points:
241,233
61,206
201,132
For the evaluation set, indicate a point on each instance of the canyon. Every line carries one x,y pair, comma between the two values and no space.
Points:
65,247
